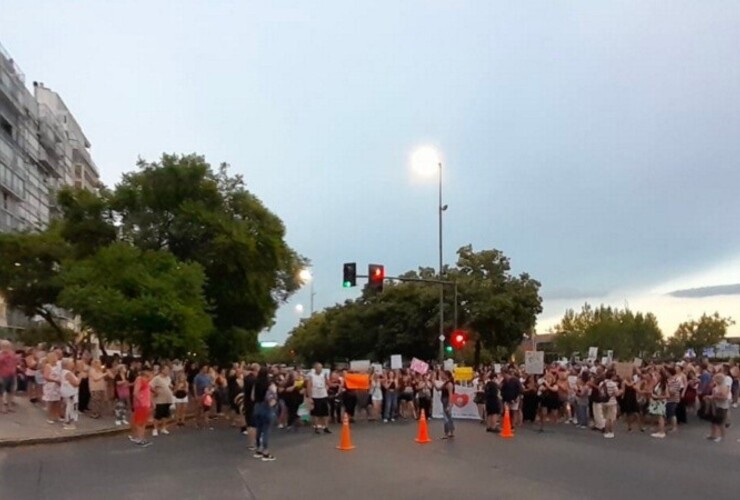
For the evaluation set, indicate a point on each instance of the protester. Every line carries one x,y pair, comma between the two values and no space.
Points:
142,408
161,387
318,397
265,401
69,390
8,365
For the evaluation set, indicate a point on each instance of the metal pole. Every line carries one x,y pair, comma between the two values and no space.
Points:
456,324
441,287
312,296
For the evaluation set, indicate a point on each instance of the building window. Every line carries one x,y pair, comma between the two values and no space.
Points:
6,127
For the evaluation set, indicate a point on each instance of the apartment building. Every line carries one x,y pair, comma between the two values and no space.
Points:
42,149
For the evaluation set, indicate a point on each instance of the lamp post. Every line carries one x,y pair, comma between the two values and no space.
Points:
306,277
425,160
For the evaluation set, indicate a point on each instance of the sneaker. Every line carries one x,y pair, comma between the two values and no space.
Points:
658,435
251,448
717,439
244,432
144,444
257,454
609,435
155,433
125,422
393,420
385,421
132,439
327,430
317,430
165,432
51,422
118,423
281,426
268,458
69,427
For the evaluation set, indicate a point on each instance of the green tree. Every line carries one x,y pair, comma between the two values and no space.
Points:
181,205
29,276
626,333
500,307
699,334
145,298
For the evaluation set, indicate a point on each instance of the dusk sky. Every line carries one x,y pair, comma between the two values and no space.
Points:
597,143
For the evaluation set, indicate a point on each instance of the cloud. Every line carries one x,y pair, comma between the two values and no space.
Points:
707,291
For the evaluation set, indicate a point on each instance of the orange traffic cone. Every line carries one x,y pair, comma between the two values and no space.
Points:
345,443
506,430
423,436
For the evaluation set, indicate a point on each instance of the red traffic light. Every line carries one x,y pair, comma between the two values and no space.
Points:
459,339
376,276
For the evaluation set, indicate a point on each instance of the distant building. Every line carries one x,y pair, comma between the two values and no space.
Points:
42,149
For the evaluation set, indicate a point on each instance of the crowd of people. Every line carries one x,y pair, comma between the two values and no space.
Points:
257,398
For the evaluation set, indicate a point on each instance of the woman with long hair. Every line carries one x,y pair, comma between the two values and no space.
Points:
265,401
658,396
446,396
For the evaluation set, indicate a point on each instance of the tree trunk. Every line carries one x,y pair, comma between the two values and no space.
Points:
476,354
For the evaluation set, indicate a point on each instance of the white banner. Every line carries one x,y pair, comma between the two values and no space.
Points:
462,404
534,362
360,365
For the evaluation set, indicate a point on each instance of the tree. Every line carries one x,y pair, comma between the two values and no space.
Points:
499,307
179,204
29,276
626,333
698,335
145,298
404,319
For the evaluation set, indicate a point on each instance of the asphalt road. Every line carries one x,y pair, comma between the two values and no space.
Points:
564,462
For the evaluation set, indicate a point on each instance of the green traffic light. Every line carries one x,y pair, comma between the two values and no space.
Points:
448,348
346,284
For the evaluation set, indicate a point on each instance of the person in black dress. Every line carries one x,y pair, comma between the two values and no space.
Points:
493,403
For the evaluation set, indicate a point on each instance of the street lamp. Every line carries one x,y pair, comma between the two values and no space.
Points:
425,161
306,277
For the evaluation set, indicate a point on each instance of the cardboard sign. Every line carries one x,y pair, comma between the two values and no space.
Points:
360,365
419,366
610,355
593,353
449,365
377,368
637,362
624,370
463,374
396,362
534,362
604,360
497,368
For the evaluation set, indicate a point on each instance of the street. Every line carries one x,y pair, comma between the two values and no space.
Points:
563,462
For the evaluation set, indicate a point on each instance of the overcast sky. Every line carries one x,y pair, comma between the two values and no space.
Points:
596,143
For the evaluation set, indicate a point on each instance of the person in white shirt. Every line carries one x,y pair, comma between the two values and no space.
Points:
318,398
69,390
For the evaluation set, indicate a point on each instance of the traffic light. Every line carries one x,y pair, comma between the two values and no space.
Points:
448,349
350,275
458,339
376,276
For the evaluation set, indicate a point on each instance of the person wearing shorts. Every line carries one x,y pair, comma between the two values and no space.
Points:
161,387
319,396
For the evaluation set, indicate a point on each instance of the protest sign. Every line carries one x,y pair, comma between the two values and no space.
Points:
419,366
357,381
448,365
362,365
396,362
624,369
377,368
534,362
463,374
637,362
463,404
610,355
593,353
497,368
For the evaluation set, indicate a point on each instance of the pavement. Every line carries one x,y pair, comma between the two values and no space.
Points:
387,464
27,425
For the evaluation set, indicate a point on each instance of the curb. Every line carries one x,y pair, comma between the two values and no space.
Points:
108,431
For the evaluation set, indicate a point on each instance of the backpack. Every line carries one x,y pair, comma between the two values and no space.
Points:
603,393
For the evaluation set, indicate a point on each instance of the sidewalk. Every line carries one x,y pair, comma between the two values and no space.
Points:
28,425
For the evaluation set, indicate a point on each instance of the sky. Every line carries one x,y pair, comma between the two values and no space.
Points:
594,143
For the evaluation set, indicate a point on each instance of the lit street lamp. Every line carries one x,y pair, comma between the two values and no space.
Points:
306,277
425,161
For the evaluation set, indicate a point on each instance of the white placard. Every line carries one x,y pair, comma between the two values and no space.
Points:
361,365
534,362
396,362
610,355
377,368
593,353
637,362
463,404
604,360
497,368
448,365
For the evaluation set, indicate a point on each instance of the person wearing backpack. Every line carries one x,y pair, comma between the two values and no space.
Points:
609,391
265,398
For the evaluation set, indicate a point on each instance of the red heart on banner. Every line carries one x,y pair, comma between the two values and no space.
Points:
460,400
